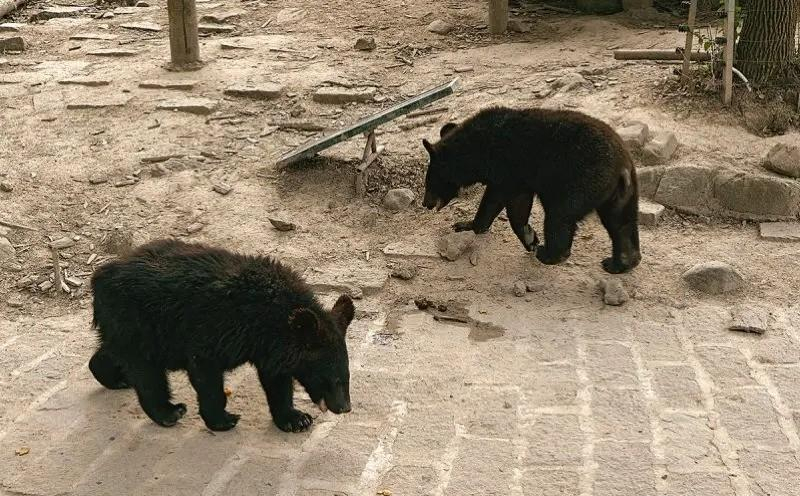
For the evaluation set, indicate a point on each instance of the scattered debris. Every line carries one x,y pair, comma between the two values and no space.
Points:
713,277
784,160
456,244
398,199
440,27
404,271
222,188
614,293
282,224
749,318
366,44
650,213
780,231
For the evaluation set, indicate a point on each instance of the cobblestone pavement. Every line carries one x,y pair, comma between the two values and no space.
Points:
557,401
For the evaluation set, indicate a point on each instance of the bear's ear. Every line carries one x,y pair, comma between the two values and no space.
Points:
343,312
428,146
446,129
306,324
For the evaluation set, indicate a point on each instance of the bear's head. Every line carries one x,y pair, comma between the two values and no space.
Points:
324,371
439,187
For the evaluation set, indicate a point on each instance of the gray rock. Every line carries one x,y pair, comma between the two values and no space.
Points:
85,81
194,227
614,293
158,84
661,148
404,271
6,187
266,91
649,179
15,302
159,170
142,26
338,96
62,243
398,199
456,244
282,225
784,160
685,186
757,197
749,318
88,102
222,188
354,279
780,231
366,44
12,44
7,250
634,135
570,82
440,27
192,105
112,52
713,278
520,288
518,26
650,213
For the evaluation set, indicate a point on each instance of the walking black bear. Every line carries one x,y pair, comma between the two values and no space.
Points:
573,162
170,305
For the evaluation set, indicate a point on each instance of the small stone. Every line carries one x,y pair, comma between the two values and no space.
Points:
85,81
124,182
780,231
456,244
98,103
713,278
463,68
256,92
45,285
221,17
634,135
168,85
142,26
535,286
159,170
440,27
570,82
15,302
6,187
7,250
650,213
113,52
520,288
198,106
614,293
517,26
73,281
222,188
210,28
93,36
62,243
282,225
118,242
661,148
784,160
12,44
749,318
404,272
98,179
366,44
194,227
398,199
338,96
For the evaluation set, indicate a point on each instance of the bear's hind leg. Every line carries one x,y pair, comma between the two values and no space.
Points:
280,398
622,225
207,380
519,211
558,235
152,389
491,205
107,370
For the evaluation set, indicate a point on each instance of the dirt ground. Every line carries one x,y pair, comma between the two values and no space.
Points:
423,422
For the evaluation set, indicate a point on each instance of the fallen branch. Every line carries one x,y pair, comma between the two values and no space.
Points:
659,55
16,226
59,278
9,6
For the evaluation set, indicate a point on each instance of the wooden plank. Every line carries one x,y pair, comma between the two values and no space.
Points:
365,125
730,42
498,16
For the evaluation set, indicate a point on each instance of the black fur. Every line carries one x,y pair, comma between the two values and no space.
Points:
170,305
573,162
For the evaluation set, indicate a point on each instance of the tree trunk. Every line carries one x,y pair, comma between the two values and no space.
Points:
767,43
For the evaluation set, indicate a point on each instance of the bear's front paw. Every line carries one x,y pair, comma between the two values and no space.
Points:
293,421
225,422
464,225
547,258
167,417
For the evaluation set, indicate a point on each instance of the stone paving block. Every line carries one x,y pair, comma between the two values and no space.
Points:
555,440
787,380
611,365
620,415
372,394
490,413
658,342
550,482
777,346
346,278
266,91
699,484
727,366
544,345
409,480
258,475
771,474
425,429
688,443
750,419
624,469
608,326
473,476
677,387
341,458
488,365
549,385
780,231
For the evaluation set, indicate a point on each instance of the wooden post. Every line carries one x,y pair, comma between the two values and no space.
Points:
498,16
730,42
687,52
183,43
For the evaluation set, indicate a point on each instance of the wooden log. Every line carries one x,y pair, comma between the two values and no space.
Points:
9,6
183,42
689,40
498,16
658,55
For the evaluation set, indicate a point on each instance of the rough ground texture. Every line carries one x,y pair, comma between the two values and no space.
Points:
549,393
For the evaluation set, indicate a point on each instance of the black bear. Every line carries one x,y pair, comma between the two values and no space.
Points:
573,162
170,305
